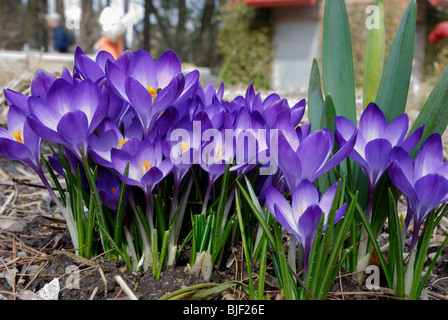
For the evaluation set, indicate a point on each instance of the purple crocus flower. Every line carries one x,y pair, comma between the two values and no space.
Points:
424,181
108,187
308,158
68,114
302,216
375,141
147,167
109,137
150,87
19,142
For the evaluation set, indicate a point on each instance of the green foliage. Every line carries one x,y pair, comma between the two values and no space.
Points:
245,42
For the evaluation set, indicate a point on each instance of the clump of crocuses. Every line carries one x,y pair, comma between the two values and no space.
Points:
140,143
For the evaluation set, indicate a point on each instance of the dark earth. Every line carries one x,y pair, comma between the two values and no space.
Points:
35,248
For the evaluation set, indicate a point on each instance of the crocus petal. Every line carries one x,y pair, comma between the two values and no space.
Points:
14,150
289,163
280,208
307,227
117,80
312,158
168,94
400,180
85,98
372,123
430,156
42,112
397,129
413,139
138,95
45,132
101,59
431,190
346,150
297,112
404,161
88,68
326,202
142,68
59,96
151,178
17,99
73,127
287,130
377,158
41,83
304,196
167,66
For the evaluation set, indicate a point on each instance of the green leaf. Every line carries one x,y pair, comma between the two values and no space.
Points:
120,210
328,116
374,57
376,246
337,59
395,254
394,86
434,113
315,98
315,111
202,291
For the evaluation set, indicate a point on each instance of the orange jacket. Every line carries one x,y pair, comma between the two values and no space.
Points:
104,44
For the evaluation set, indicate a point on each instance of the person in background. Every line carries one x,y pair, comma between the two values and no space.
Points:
114,25
114,32
60,37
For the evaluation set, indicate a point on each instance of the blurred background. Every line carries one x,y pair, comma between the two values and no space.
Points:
268,42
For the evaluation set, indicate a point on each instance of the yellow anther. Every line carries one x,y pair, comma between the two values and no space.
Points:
145,166
18,135
152,92
184,147
219,155
121,143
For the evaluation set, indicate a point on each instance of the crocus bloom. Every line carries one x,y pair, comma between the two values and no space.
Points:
150,87
109,137
108,187
375,140
69,114
308,158
302,216
146,166
424,180
19,142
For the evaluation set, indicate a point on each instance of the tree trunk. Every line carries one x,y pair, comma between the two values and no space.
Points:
12,25
33,26
204,45
179,45
162,26
89,30
61,10
146,26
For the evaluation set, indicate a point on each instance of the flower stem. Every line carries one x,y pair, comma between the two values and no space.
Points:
207,195
363,256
